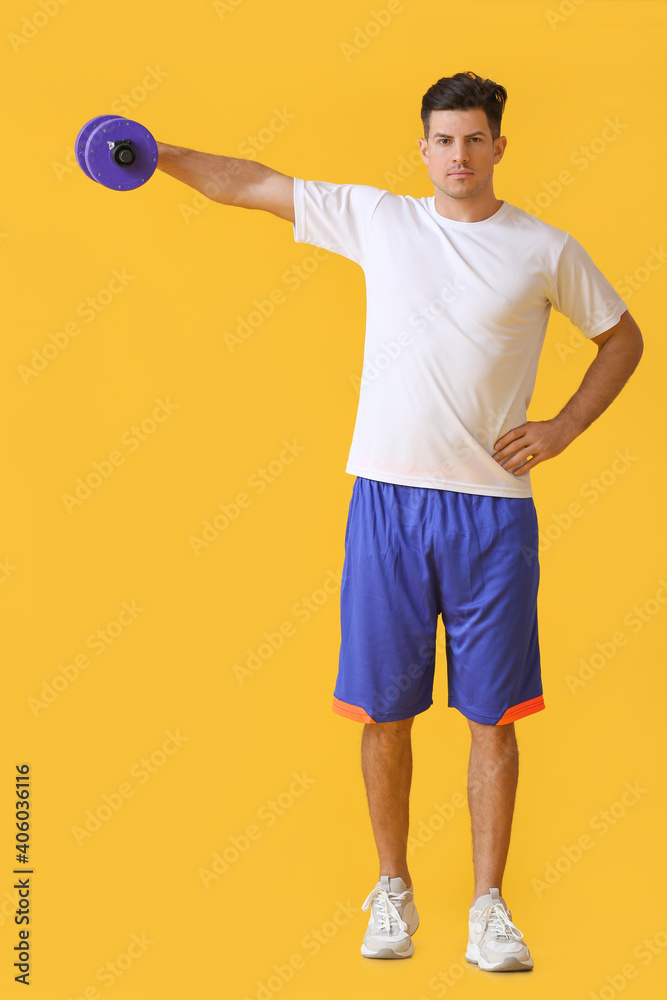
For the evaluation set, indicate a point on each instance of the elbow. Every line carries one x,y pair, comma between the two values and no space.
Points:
634,348
638,345
627,338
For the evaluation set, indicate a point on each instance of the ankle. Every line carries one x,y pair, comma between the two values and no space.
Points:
481,891
397,872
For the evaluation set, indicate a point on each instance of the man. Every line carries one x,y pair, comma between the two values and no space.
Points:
441,519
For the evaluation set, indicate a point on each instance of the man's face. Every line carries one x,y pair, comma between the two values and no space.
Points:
460,153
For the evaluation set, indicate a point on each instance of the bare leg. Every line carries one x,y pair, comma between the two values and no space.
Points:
386,763
492,779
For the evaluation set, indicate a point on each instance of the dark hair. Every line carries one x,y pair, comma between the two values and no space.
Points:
463,92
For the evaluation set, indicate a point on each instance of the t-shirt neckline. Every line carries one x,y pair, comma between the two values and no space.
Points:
455,224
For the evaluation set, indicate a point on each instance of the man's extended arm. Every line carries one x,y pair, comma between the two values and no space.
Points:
619,351
230,181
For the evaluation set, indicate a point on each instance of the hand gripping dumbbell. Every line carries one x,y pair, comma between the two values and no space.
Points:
116,152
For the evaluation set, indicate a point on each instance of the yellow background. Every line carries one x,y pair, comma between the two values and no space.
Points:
196,267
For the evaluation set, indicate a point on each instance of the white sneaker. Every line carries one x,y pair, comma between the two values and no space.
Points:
392,922
495,944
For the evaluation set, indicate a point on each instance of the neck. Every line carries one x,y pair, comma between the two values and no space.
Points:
474,209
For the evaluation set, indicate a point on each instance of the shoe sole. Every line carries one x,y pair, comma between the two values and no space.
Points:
388,952
507,965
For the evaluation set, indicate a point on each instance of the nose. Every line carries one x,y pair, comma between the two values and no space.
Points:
460,154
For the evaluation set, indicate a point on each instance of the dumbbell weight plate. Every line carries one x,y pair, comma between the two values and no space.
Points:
99,160
82,139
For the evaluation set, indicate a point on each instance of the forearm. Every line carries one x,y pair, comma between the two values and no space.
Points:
224,179
607,374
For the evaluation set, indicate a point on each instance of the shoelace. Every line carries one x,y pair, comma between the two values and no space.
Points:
496,917
385,910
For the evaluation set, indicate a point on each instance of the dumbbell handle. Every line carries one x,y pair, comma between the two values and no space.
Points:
123,153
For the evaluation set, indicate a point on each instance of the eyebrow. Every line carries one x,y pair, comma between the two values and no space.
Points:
444,135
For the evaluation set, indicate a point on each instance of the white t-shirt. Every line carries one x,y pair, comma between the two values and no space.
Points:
456,314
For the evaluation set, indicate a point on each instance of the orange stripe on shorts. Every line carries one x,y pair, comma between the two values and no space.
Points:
351,711
523,708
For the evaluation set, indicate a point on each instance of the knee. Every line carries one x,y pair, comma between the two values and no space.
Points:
490,735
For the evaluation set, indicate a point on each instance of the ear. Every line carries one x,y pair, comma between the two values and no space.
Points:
499,148
423,149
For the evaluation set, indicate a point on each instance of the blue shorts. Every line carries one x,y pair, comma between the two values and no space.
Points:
414,553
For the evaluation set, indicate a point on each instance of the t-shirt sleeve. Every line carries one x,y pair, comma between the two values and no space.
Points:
582,293
335,217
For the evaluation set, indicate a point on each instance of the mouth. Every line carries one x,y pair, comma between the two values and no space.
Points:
460,173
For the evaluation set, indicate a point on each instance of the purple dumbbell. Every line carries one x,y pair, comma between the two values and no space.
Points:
116,152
